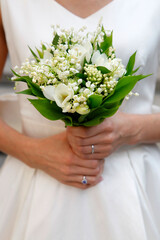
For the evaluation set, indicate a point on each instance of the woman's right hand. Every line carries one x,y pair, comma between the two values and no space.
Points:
54,156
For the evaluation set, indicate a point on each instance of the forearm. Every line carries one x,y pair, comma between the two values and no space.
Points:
13,142
145,128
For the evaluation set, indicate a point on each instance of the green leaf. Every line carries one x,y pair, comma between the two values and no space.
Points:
35,89
97,116
43,47
84,62
130,64
105,108
16,74
27,92
98,47
107,42
39,53
21,79
68,121
49,110
82,118
80,75
124,86
34,55
32,86
55,40
94,101
103,70
109,95
109,105
134,71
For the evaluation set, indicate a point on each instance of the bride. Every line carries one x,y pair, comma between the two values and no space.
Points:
117,163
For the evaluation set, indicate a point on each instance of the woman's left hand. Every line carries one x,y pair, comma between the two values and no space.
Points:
106,137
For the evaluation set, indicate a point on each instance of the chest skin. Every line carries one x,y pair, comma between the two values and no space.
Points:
83,9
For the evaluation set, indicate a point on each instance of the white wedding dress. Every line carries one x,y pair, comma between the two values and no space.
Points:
126,204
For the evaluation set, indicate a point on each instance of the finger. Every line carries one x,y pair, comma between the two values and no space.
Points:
99,148
87,163
70,182
90,179
76,181
102,138
91,131
98,156
75,170
80,185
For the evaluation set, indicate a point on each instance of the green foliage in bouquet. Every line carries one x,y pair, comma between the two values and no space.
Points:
88,88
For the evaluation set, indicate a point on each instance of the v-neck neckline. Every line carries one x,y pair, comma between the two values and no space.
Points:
84,18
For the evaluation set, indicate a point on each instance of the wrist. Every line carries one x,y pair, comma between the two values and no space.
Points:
14,143
28,148
150,128
36,150
142,128
132,128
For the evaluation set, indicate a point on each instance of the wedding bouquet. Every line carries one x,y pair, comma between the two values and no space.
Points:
77,77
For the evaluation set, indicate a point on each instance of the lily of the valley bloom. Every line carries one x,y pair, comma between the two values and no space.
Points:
82,109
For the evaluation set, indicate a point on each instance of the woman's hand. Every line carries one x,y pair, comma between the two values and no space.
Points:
54,156
106,137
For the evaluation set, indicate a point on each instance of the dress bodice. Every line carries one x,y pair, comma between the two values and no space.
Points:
135,26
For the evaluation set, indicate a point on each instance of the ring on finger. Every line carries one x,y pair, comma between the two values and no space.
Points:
93,149
84,180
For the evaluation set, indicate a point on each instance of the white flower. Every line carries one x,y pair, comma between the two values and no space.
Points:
13,78
16,67
33,62
82,109
76,104
89,49
46,56
63,94
81,99
80,81
48,92
82,51
88,84
93,86
73,60
87,92
108,33
99,59
99,90
75,88
67,107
